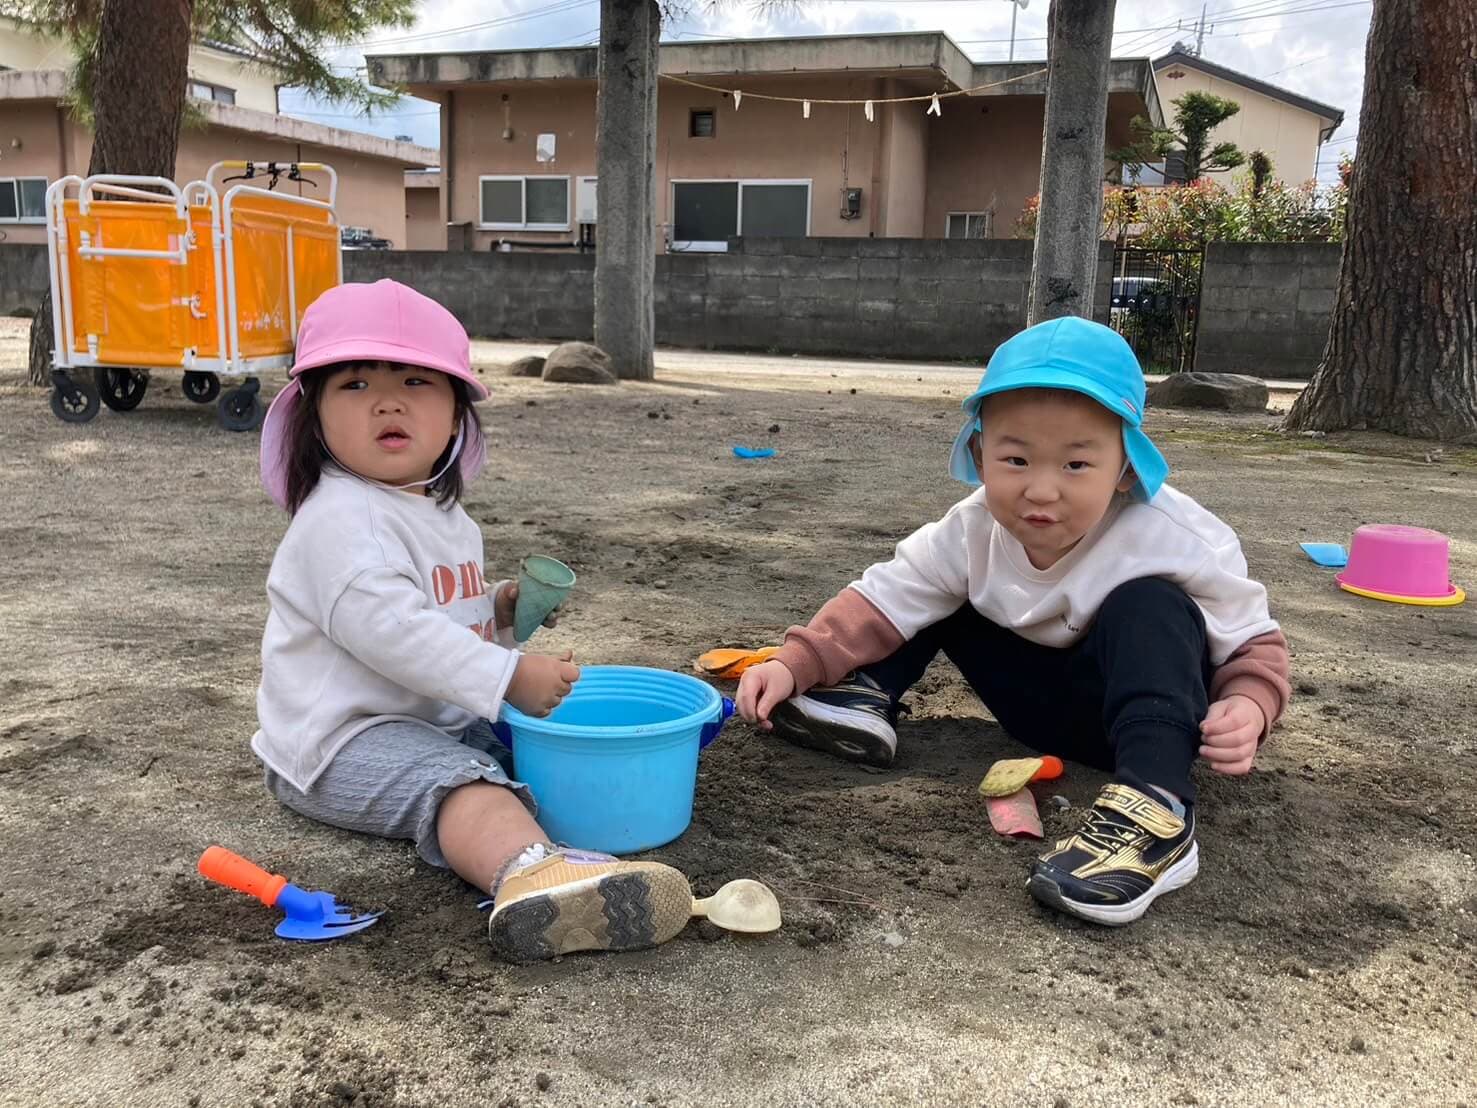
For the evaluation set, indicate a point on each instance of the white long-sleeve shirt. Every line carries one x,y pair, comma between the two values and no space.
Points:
966,554
378,612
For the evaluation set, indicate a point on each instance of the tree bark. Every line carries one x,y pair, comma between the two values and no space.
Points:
625,158
1402,344
1064,266
138,92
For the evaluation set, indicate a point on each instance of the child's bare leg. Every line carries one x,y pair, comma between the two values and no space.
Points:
481,828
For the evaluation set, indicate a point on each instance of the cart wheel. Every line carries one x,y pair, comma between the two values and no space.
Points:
121,389
202,388
240,410
72,401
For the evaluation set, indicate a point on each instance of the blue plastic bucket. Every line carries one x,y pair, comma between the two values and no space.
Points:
614,767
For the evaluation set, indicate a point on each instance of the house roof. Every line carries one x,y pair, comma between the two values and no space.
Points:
34,27
1334,116
237,51
919,53
51,85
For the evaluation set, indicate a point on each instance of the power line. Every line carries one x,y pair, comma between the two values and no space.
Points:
1260,15
500,21
574,39
1299,65
360,115
1264,9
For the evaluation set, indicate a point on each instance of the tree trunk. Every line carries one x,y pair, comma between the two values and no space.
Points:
625,159
1402,344
138,92
1064,267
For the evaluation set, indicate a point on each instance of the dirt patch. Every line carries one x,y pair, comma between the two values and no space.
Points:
1327,954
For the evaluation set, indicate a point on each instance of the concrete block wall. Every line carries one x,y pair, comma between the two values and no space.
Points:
1264,310
517,295
1265,307
889,298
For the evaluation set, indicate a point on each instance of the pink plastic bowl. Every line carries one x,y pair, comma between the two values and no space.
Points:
1403,564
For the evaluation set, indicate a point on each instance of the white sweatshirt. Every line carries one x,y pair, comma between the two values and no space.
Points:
966,554
378,612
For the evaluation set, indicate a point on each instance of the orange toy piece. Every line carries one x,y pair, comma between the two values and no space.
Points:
227,868
729,663
1051,768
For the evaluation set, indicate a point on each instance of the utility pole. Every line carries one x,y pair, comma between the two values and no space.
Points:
1200,33
1015,8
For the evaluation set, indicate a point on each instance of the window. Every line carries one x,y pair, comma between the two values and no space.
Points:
525,203
22,199
1169,171
969,225
702,123
204,90
705,214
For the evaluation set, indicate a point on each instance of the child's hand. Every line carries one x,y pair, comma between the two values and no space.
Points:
1231,730
761,688
507,603
541,681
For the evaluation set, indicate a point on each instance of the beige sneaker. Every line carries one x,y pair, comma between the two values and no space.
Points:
575,900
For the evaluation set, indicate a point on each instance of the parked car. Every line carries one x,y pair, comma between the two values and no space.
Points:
1138,293
362,238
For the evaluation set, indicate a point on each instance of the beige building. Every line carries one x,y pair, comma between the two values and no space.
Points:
217,72
1287,127
236,99
424,229
518,139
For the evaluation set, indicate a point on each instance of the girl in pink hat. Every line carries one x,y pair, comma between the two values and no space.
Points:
386,655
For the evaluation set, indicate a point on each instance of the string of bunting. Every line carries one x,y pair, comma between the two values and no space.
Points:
805,102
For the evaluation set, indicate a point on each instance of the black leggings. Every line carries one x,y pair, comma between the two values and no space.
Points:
1129,696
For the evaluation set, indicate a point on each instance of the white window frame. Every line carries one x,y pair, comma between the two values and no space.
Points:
986,216
702,246
524,178
14,183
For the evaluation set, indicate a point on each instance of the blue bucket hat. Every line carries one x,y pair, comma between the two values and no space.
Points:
1080,356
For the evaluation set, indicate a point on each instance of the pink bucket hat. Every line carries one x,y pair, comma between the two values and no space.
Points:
385,321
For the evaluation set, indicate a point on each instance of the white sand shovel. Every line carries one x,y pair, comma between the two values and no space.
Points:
742,905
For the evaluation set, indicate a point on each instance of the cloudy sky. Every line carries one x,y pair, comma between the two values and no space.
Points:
1312,47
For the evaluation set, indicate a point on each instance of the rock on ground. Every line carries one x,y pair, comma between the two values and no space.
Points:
1226,392
579,363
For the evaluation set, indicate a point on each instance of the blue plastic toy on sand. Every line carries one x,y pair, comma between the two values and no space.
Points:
1330,555
614,766
754,452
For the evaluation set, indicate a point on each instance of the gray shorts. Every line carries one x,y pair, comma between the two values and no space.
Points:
390,779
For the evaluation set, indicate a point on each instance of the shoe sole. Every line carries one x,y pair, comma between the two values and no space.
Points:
855,736
1177,876
615,911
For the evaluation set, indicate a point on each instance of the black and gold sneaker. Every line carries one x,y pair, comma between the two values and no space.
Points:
853,719
1129,850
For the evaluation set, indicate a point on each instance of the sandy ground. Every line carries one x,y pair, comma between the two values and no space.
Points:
1326,955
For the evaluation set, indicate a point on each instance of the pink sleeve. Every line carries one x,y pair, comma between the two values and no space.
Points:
846,633
1258,669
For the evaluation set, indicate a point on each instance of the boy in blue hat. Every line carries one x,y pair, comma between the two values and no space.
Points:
1100,614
